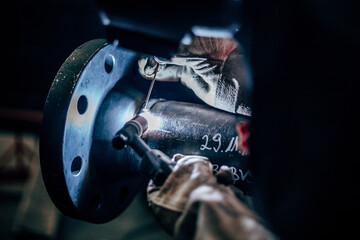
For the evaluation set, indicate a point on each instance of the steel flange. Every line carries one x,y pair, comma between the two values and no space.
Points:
76,173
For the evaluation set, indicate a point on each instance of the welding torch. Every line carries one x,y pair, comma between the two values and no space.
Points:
154,164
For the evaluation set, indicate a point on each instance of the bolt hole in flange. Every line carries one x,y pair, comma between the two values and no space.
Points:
82,104
76,166
95,202
109,63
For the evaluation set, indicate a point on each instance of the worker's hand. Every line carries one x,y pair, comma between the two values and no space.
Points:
195,204
212,68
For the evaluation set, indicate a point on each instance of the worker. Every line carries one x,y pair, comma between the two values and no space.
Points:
304,59
213,68
193,203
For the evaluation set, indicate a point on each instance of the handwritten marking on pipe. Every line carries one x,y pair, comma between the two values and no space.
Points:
215,142
239,174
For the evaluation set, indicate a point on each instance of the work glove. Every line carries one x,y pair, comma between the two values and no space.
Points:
212,67
195,204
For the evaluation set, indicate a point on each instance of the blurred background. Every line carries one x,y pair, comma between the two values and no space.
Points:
304,57
37,37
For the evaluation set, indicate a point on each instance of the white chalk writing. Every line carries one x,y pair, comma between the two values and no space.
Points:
217,138
239,174
214,144
204,146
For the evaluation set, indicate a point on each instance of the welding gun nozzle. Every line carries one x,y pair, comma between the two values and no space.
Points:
136,126
120,141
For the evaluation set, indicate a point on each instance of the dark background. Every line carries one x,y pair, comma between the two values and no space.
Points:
37,37
305,61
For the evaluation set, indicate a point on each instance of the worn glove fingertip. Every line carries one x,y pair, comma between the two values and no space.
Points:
225,176
147,66
177,157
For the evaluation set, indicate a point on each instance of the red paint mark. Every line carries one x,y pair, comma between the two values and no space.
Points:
243,132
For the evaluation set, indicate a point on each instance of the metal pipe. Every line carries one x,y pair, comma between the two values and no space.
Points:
193,129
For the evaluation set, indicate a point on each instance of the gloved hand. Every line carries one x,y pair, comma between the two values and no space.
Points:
192,204
212,67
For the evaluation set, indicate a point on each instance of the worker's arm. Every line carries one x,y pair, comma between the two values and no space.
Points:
212,67
195,204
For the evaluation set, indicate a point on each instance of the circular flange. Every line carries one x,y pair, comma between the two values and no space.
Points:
75,144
